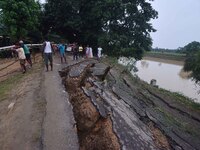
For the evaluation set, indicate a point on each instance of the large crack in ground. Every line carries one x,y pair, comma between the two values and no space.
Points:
94,131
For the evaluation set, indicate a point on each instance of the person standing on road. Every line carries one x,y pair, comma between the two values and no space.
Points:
90,52
61,48
47,50
27,52
21,56
80,49
87,51
99,49
75,51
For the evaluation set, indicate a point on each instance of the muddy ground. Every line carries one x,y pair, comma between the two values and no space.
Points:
111,110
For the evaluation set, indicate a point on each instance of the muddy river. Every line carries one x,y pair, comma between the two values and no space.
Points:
169,75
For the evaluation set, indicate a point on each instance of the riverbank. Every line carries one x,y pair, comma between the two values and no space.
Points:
176,116
177,96
164,60
169,75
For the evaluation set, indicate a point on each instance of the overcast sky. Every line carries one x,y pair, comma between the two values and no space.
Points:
178,23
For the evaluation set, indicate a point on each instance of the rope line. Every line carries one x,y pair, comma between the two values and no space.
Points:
8,65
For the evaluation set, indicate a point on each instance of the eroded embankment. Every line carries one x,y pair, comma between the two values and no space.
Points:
94,131
114,111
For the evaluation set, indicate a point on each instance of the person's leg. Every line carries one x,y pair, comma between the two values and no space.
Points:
65,58
51,61
22,64
74,55
22,67
46,61
28,59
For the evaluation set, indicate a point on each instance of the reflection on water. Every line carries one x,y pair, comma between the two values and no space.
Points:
168,76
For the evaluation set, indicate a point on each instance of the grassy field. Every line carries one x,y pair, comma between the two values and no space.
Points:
166,55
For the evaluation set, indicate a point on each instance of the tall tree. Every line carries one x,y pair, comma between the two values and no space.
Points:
19,17
121,26
192,62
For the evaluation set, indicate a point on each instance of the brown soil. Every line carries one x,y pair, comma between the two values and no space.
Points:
160,139
95,132
21,125
9,67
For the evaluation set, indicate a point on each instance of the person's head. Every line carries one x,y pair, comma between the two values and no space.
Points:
46,38
21,43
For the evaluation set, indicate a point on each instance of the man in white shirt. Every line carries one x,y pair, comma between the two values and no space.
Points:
47,53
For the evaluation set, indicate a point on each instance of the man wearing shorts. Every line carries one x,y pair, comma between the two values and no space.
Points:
22,57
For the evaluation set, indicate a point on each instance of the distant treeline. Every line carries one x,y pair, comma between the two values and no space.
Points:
166,50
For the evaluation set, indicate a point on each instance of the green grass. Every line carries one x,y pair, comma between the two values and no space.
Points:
172,120
182,99
110,60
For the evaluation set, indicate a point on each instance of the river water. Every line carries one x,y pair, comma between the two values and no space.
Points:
169,76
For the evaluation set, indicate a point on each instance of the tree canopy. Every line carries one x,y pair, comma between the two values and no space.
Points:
19,17
122,27
192,62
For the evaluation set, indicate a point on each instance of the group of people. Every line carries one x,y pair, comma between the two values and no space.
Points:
47,52
78,51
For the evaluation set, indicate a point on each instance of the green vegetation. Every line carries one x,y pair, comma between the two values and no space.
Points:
192,62
7,85
182,99
172,120
120,27
19,18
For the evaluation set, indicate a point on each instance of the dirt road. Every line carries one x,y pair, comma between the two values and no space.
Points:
39,114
